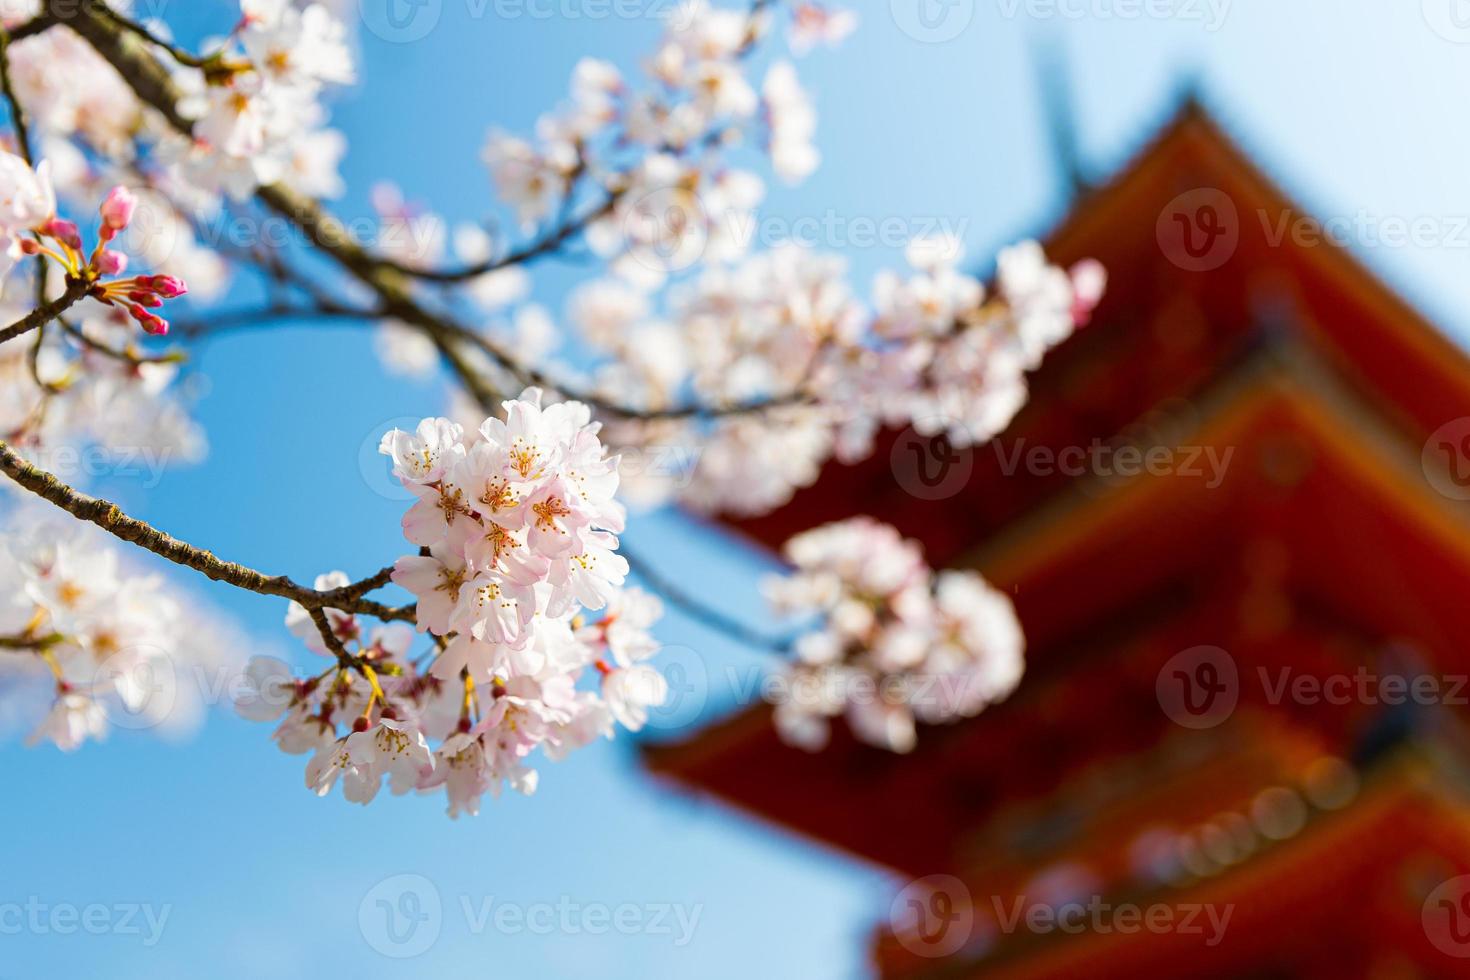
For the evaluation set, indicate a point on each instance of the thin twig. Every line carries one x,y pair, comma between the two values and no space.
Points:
30,641
126,355
46,312
211,324
701,611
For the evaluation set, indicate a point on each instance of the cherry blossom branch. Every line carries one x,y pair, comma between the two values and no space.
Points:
28,641
547,244
569,228
111,519
701,611
186,58
32,27
46,312
127,355
143,72
326,310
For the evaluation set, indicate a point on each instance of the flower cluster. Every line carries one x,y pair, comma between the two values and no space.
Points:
516,526
895,642
784,364
116,649
761,366
782,329
82,380
256,103
648,160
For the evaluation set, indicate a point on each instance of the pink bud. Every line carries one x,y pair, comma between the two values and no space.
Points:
117,209
151,324
30,246
63,231
111,263
166,286
145,299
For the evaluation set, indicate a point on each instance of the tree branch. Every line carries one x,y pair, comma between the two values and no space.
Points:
151,82
46,312
210,324
111,519
699,610
141,69
30,641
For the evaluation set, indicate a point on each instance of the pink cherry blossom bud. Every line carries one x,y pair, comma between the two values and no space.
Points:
30,246
151,324
166,286
65,232
111,263
117,209
145,299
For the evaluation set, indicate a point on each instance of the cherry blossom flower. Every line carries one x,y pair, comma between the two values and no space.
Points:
760,366
518,522
111,646
893,642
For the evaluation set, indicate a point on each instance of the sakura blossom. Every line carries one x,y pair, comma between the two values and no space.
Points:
105,647
536,641
521,637
892,643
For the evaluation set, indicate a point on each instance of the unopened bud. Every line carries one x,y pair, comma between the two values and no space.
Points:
155,325
65,232
111,263
117,208
166,286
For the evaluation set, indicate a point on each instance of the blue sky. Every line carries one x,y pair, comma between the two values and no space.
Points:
1344,102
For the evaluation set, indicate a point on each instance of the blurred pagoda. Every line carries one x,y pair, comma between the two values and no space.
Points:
1336,543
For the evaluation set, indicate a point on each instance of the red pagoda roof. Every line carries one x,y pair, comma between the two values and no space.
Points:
1333,542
